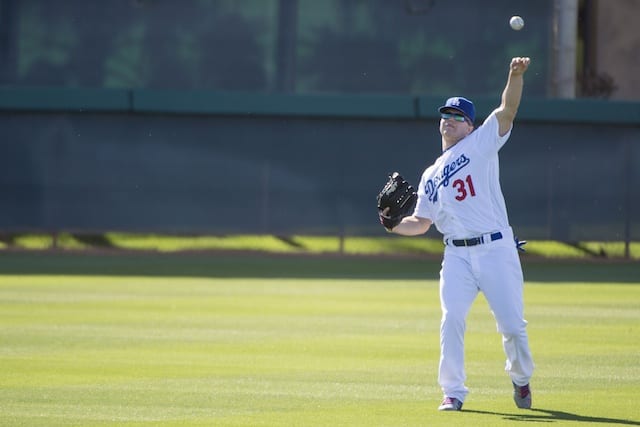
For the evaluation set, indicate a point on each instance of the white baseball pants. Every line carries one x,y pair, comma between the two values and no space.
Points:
493,269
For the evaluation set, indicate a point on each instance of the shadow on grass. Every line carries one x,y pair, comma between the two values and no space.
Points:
548,415
261,265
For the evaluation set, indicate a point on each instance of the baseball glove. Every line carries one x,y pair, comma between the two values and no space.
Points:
400,197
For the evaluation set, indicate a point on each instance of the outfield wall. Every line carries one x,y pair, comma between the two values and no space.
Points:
192,162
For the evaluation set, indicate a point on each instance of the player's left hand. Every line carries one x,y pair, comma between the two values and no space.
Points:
396,200
519,65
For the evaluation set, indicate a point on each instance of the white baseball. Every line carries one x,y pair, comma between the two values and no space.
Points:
516,22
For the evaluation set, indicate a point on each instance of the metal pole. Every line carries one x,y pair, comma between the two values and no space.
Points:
265,202
286,46
565,34
627,202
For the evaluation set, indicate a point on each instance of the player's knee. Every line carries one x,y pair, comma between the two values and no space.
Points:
453,321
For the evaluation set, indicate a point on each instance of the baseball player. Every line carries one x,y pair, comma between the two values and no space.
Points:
460,193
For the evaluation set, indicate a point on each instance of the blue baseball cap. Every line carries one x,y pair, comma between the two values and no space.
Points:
462,105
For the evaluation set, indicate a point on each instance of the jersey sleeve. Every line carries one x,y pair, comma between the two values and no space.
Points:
423,207
488,137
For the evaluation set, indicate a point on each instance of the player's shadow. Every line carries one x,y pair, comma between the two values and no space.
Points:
548,415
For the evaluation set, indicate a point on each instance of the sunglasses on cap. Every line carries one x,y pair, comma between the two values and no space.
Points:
454,116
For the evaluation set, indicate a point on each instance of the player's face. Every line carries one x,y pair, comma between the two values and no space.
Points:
454,126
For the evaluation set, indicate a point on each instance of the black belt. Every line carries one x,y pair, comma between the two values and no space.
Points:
477,240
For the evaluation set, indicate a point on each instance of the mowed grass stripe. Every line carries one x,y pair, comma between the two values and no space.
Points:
122,350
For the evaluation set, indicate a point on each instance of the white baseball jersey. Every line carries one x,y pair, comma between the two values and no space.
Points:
460,193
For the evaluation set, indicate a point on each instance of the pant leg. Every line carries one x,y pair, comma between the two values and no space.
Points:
458,290
502,284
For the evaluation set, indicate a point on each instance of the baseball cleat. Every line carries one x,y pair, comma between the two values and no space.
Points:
450,404
522,396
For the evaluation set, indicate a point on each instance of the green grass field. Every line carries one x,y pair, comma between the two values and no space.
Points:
161,340
349,245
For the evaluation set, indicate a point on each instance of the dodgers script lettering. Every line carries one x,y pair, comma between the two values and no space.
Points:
443,178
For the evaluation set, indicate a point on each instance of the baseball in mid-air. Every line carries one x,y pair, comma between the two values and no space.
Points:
516,22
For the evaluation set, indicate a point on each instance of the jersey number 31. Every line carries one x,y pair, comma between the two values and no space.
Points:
462,187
